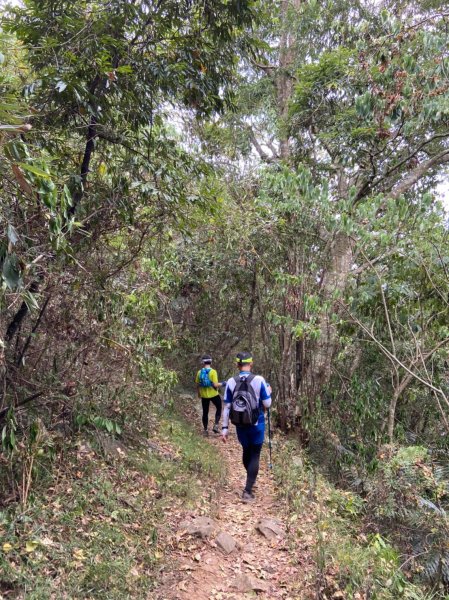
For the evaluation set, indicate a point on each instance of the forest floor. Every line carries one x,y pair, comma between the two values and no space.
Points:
114,519
278,566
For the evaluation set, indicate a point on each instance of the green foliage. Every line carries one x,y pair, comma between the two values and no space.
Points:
9,433
323,78
98,422
410,489
357,93
348,560
106,65
143,223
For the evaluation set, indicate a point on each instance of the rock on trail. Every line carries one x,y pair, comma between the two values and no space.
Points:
242,552
200,526
226,542
270,528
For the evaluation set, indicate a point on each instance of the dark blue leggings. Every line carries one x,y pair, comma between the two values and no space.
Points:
251,458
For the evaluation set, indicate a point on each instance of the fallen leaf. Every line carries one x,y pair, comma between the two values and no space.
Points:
23,183
47,542
78,554
31,546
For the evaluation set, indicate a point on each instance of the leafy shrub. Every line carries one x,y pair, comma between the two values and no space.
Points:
99,422
410,493
348,562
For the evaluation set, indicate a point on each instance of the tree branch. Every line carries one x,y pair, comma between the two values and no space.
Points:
36,325
20,314
258,147
265,68
417,173
407,158
4,412
88,151
394,358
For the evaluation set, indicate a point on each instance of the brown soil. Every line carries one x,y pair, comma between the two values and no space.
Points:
201,571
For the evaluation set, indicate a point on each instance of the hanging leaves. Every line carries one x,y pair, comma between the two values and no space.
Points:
12,272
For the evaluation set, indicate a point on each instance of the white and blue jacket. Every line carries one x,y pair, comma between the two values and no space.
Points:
255,433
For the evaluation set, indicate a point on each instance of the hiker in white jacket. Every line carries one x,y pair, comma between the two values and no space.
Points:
251,395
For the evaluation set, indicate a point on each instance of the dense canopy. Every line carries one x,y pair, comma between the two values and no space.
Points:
181,177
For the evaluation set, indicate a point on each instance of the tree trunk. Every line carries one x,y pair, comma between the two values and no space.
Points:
318,369
284,79
287,399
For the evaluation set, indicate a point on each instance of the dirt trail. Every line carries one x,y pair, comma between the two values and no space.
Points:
205,572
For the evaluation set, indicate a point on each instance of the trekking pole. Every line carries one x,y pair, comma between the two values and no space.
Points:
269,438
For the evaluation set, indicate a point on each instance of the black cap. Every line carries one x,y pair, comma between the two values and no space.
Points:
206,358
244,358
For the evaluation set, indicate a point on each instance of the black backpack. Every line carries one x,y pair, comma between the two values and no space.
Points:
245,409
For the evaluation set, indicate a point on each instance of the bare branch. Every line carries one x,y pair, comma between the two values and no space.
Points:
258,147
387,314
417,173
404,160
265,68
392,357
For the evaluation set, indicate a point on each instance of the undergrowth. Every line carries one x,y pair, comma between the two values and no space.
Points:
349,562
95,526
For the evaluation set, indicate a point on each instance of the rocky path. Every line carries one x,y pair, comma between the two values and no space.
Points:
242,550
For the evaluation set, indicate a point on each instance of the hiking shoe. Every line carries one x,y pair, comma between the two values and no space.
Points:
215,428
205,433
247,497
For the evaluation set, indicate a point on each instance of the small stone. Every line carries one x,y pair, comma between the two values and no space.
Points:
270,528
246,583
202,527
226,542
270,569
110,446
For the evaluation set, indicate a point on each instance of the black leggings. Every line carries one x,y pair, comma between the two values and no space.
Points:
251,457
216,401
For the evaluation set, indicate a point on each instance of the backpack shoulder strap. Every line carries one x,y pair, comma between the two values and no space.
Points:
238,384
238,381
243,380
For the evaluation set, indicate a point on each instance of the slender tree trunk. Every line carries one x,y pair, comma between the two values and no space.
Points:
393,404
85,165
20,314
252,305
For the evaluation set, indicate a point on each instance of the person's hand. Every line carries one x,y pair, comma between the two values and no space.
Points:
224,435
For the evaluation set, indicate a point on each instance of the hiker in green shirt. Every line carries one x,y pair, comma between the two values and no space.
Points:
207,385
